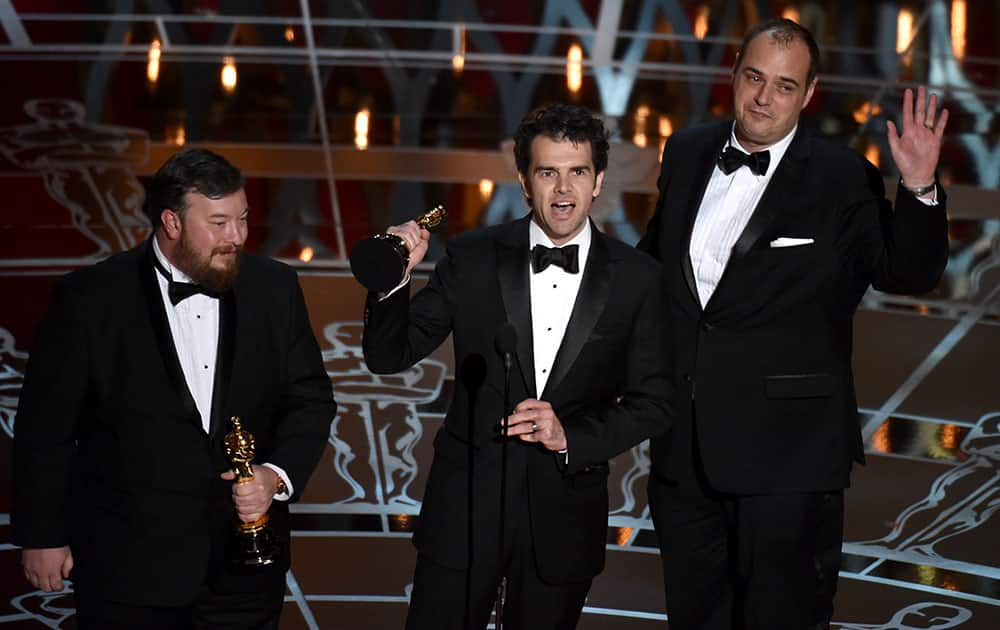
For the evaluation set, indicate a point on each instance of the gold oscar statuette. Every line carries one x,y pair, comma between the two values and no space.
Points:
379,262
254,544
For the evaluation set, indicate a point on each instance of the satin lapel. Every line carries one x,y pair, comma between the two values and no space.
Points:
784,184
704,166
164,339
223,362
515,291
595,287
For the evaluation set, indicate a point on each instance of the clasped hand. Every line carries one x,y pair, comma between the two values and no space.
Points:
536,421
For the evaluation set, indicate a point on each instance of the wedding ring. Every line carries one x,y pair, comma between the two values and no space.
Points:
534,427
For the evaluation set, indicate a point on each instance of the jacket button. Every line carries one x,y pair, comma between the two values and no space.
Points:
707,327
687,378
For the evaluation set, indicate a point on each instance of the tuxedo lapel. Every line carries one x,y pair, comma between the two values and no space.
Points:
161,330
223,362
595,286
704,166
783,186
515,290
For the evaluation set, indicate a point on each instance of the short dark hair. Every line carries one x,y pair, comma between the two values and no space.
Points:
191,170
561,122
784,31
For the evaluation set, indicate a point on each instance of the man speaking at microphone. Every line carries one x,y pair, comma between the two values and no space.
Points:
588,380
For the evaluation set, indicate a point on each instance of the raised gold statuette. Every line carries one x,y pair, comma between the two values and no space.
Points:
379,262
254,544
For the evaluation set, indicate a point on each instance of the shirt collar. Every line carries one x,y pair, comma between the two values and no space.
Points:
538,237
175,274
777,149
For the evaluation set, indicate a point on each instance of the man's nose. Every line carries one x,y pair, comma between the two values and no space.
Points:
763,95
236,232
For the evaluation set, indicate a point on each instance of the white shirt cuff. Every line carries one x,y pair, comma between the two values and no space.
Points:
283,496
931,200
399,286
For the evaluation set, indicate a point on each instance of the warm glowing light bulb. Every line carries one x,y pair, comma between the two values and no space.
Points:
791,13
176,135
485,188
701,22
289,34
574,68
229,75
872,154
958,25
306,254
153,66
458,59
904,30
641,114
666,127
361,124
865,111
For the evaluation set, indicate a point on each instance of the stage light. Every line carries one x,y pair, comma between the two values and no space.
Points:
228,75
666,128
640,139
958,25
865,111
574,68
361,124
701,22
306,254
458,59
485,188
176,135
904,30
872,154
791,13
881,441
289,34
153,66
623,535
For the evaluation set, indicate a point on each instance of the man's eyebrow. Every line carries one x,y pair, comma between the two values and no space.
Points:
783,79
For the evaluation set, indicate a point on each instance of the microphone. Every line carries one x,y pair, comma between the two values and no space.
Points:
506,343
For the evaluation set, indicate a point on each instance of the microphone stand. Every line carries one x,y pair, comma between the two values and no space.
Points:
502,584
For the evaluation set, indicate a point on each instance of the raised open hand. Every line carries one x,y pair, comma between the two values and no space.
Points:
917,150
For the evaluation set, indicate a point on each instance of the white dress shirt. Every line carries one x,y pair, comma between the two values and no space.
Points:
553,293
724,212
726,209
194,326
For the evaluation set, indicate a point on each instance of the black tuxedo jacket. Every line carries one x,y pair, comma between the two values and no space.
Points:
767,363
609,387
109,452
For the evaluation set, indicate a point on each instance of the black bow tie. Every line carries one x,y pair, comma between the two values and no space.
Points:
565,257
180,291
732,158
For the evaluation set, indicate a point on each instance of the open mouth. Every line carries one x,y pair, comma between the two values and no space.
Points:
563,206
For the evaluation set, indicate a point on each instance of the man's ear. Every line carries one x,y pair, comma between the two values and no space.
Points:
525,187
809,92
598,184
171,224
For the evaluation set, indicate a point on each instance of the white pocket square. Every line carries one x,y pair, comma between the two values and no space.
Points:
786,241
